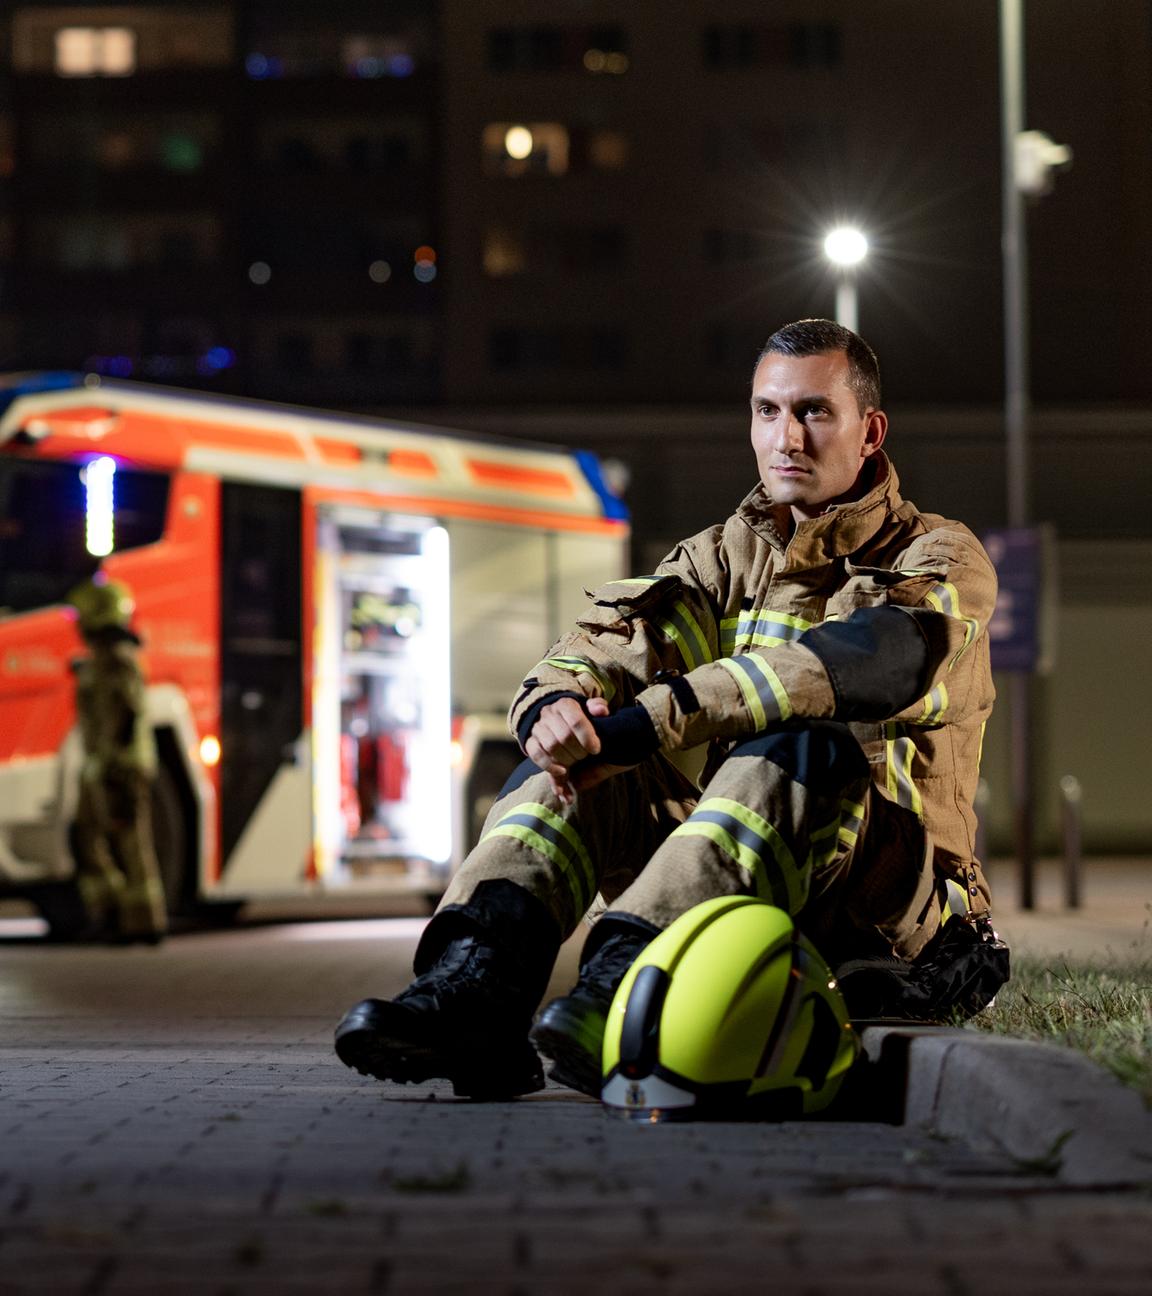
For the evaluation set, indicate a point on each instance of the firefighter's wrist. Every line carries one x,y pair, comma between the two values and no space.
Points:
530,717
627,737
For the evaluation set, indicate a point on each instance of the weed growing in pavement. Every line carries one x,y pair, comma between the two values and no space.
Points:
451,1181
1104,1009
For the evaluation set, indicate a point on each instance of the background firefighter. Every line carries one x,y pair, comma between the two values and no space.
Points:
825,649
118,874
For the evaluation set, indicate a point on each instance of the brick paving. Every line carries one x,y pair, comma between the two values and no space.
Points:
174,1121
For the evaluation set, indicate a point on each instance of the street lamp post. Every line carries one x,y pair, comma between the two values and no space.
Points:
1028,159
845,247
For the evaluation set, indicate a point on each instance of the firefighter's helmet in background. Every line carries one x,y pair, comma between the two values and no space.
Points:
729,1013
103,606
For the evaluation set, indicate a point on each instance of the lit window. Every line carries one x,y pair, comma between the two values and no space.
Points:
503,254
525,148
370,57
95,51
608,150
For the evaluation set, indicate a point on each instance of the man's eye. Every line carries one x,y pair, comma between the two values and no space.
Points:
814,411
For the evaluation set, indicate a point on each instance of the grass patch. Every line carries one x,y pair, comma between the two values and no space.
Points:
451,1181
1103,1009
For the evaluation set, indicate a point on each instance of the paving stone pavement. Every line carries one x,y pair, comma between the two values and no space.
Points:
174,1121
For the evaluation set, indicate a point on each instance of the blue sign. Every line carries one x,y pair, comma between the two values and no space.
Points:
1015,630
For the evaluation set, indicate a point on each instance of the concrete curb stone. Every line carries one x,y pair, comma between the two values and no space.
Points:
1048,1107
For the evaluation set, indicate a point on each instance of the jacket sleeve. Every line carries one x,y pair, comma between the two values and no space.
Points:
632,630
892,641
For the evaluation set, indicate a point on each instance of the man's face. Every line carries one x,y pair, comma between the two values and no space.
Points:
810,438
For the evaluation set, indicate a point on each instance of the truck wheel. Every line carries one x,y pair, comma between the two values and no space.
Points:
170,834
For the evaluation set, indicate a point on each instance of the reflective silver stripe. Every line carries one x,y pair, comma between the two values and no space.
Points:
682,629
851,821
900,749
754,845
764,694
934,706
954,902
945,598
545,832
760,628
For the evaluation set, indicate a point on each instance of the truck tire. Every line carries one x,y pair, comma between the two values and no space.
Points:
170,832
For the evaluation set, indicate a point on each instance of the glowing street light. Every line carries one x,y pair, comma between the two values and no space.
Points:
846,247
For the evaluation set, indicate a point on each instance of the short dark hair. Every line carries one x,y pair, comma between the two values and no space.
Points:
817,337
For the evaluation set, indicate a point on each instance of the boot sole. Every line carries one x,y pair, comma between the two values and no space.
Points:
385,1055
574,1064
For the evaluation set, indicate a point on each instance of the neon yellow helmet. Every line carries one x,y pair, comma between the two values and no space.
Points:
102,605
730,1012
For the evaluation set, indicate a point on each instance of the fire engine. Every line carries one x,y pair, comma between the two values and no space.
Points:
335,613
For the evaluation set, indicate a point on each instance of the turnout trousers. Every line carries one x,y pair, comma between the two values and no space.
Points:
791,817
118,873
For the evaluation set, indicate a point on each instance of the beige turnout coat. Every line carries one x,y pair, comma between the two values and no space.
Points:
727,609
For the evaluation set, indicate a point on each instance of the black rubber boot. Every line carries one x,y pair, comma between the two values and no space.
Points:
482,967
570,1031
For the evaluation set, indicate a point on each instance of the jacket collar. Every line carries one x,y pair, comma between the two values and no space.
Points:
840,530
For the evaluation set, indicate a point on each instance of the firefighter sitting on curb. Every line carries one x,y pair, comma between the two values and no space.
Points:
827,644
119,877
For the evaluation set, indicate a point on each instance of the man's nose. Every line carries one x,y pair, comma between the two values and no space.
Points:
789,435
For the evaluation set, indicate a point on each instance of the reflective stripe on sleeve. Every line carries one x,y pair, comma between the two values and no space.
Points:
579,666
764,694
751,842
631,580
759,628
549,835
945,598
899,750
681,628
934,704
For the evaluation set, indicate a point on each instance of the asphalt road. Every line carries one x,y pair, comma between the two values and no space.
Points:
173,1120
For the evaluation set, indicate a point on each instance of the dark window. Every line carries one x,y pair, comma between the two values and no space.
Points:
527,348
815,44
359,352
294,351
598,247
525,49
43,525
728,346
298,155
732,246
397,351
607,348
543,48
748,45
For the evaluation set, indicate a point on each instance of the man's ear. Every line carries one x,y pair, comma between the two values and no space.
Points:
875,430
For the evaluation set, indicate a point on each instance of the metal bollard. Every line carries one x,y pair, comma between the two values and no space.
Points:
1072,832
